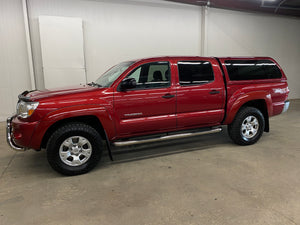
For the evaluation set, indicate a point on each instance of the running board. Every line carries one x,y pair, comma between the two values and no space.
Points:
167,137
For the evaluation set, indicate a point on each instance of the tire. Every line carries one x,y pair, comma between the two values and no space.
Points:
247,127
74,149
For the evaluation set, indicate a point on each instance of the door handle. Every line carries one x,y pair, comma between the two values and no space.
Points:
168,96
214,92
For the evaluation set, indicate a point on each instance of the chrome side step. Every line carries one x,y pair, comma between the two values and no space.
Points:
167,137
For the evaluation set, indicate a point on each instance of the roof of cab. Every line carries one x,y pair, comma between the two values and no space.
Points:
199,58
172,58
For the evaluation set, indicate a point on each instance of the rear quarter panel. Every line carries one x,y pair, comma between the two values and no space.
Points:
273,91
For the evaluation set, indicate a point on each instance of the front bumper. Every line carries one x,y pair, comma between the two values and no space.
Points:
9,138
286,106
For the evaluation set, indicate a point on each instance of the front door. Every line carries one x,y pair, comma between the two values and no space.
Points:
150,107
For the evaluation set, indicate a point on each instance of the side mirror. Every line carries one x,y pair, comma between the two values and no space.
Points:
127,83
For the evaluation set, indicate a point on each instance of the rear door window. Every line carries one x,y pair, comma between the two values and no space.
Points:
252,69
195,72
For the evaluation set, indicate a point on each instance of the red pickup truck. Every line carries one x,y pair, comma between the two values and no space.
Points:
146,100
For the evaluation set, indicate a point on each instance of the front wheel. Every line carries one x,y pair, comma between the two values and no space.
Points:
247,127
74,148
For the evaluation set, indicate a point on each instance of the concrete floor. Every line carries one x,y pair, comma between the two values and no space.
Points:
203,180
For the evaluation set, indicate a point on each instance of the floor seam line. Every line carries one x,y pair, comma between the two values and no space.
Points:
11,159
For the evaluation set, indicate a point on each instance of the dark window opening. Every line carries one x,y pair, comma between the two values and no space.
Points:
195,72
252,69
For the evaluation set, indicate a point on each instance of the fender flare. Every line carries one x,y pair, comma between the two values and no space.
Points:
239,99
100,112
83,110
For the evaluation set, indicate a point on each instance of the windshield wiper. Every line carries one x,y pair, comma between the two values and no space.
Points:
94,84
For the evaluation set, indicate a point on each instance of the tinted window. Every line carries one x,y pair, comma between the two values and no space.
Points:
252,69
151,75
195,72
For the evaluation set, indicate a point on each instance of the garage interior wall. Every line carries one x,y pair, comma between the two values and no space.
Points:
117,30
14,70
233,33
62,53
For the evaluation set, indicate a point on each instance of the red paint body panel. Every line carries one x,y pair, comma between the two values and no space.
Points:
139,112
273,91
69,112
144,111
22,131
196,107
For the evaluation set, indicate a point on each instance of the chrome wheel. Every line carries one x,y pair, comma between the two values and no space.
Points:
75,151
249,127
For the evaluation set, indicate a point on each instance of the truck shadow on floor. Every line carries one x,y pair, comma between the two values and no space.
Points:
164,148
36,163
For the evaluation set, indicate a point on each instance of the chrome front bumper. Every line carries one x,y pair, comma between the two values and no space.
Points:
9,136
286,106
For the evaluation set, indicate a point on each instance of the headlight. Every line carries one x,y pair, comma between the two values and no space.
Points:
26,109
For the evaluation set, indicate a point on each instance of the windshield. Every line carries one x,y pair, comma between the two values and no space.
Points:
106,79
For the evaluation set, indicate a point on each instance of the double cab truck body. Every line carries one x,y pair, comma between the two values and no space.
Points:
148,100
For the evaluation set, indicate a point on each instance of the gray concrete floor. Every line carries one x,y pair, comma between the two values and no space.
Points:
203,180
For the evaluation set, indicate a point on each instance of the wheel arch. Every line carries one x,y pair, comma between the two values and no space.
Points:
90,120
259,99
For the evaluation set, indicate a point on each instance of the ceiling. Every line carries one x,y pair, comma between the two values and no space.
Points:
278,7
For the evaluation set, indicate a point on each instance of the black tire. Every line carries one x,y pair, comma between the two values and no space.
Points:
88,152
247,126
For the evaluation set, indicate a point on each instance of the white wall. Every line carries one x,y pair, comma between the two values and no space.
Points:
115,31
118,30
62,53
14,70
232,33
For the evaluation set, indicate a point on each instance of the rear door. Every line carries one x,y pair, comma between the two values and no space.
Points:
150,107
200,93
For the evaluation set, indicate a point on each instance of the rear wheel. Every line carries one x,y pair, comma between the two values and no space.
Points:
74,148
247,127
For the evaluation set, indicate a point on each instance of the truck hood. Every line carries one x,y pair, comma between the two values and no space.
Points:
47,93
